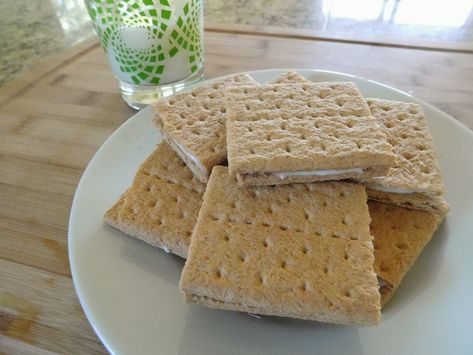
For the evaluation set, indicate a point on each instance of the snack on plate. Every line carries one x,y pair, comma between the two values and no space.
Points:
162,204
193,124
400,235
301,251
168,166
290,77
415,181
287,133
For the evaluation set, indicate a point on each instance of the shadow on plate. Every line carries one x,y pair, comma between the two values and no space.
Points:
153,261
210,331
215,331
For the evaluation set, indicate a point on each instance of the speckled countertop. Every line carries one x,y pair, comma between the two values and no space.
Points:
31,30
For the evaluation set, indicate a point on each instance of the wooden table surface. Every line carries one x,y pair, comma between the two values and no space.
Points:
54,118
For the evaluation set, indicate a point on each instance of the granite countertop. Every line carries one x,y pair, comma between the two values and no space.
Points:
31,30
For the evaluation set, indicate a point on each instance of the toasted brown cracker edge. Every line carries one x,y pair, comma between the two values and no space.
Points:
417,201
161,205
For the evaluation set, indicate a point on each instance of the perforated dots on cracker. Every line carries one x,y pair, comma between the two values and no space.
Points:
301,251
285,133
415,180
162,204
193,124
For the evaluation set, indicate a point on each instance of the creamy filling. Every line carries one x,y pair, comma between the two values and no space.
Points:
285,174
391,189
186,152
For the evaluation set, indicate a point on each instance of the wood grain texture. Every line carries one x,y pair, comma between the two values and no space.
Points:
440,78
378,38
53,119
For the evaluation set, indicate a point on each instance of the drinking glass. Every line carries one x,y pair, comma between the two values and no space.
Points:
154,47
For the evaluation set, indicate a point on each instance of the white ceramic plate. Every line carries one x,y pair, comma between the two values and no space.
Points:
129,290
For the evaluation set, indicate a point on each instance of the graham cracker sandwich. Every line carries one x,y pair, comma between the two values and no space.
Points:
301,251
162,204
193,124
169,168
415,181
287,133
400,235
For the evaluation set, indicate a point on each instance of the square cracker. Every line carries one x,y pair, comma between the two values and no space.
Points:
279,128
290,77
400,235
162,204
416,172
193,124
301,251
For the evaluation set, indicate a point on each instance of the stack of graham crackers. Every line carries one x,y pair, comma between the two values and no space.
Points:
327,201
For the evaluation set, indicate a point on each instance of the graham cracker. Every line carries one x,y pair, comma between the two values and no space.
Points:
416,173
275,128
301,251
417,201
193,124
290,77
111,216
162,204
400,235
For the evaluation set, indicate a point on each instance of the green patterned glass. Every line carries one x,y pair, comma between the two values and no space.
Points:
155,47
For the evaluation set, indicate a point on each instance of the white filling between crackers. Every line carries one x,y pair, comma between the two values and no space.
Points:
285,174
187,153
390,189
